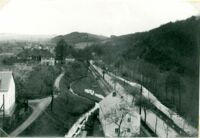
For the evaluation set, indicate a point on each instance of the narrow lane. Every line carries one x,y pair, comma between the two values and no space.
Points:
37,110
38,106
57,81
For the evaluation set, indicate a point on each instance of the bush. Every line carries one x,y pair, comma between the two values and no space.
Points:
67,108
9,60
38,84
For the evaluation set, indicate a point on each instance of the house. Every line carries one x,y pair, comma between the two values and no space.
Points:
119,116
7,92
49,61
69,59
34,54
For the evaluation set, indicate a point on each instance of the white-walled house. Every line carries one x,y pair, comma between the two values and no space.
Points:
118,109
7,88
69,59
49,61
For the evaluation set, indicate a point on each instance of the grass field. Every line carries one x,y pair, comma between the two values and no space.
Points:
67,108
88,82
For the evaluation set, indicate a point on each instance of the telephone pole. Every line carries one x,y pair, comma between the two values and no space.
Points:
52,99
3,109
140,95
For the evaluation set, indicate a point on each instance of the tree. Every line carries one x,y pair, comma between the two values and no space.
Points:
61,50
173,83
145,104
117,115
114,80
149,74
156,125
82,54
104,70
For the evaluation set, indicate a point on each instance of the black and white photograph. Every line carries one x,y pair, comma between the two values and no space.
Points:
99,68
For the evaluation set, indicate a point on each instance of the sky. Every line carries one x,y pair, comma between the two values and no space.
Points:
103,17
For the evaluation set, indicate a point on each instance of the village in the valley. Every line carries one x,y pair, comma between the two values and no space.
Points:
39,78
86,85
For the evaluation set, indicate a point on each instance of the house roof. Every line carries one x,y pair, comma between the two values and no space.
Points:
5,77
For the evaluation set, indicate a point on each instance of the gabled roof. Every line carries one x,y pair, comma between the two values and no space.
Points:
5,77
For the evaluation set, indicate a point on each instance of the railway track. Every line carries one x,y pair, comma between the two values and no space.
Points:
144,128
107,88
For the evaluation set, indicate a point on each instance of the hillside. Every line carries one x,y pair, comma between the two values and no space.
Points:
168,59
172,46
169,46
79,39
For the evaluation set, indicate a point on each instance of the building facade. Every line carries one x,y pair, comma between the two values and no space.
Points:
68,60
7,90
49,61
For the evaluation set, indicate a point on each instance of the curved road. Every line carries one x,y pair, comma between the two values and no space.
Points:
57,81
38,106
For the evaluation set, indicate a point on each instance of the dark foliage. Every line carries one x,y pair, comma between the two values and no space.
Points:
67,108
76,37
149,57
38,84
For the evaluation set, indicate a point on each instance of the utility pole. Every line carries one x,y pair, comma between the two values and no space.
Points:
2,108
52,99
3,112
140,98
87,40
140,95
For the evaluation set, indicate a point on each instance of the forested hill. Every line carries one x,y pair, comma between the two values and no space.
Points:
77,37
173,46
166,57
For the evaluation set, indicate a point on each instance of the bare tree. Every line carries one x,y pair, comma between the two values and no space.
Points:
104,71
117,116
166,126
149,73
173,83
144,104
114,80
156,124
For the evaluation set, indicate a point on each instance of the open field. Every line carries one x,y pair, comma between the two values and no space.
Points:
88,82
66,110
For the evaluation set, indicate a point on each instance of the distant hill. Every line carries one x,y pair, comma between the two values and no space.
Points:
24,37
80,39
